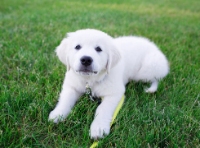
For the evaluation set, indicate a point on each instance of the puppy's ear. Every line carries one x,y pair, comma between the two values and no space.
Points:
113,57
61,52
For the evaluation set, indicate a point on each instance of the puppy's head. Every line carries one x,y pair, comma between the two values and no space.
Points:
88,52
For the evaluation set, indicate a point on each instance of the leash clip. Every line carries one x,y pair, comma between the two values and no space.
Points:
88,91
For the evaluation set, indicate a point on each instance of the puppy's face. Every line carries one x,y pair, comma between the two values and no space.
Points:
87,55
88,52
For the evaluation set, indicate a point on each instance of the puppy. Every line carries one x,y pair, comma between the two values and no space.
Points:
105,65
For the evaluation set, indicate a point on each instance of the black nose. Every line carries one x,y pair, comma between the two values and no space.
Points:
86,60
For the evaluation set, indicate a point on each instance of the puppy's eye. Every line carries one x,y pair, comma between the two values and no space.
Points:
98,49
78,47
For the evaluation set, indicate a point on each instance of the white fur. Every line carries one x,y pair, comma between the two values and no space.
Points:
121,60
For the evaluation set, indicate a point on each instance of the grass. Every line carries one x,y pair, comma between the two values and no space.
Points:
31,74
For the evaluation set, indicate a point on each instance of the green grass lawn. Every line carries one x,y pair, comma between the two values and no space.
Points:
31,75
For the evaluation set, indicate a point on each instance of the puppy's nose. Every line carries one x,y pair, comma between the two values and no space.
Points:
86,60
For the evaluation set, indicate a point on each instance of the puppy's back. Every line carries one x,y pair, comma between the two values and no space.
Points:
143,59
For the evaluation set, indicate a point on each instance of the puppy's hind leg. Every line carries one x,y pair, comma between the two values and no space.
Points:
153,87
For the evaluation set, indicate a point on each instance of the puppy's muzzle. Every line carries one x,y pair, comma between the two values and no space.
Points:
86,60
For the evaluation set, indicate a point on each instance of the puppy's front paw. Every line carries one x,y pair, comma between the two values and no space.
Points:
56,116
99,129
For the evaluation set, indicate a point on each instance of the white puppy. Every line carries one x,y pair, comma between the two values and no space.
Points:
105,65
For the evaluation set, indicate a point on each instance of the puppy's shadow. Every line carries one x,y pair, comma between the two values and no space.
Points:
136,87
136,91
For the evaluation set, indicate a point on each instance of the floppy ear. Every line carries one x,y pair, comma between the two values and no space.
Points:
61,52
113,57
